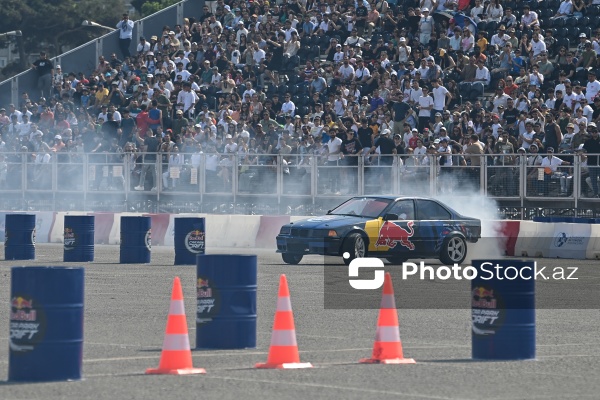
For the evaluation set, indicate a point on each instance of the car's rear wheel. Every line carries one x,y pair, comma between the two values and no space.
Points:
355,246
291,258
454,250
397,260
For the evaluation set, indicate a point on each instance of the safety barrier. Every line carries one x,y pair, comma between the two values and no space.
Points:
160,224
508,233
103,227
593,249
268,229
576,238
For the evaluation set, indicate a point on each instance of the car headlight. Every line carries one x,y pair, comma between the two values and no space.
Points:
332,233
285,230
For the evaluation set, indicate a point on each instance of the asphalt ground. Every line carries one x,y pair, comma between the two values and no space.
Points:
125,315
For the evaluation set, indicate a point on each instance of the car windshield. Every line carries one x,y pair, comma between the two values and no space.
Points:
362,206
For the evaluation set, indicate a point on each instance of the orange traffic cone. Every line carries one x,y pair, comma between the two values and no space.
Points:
388,347
176,356
283,352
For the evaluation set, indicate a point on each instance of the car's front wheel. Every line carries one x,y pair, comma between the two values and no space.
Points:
354,247
454,250
290,258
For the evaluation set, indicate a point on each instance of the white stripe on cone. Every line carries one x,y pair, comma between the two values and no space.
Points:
176,342
284,304
176,307
388,301
387,334
283,338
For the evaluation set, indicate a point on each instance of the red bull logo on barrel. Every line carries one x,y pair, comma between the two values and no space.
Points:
194,241
69,239
486,311
27,324
206,301
203,288
483,298
392,235
22,309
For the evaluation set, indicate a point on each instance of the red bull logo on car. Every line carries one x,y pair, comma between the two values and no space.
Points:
391,235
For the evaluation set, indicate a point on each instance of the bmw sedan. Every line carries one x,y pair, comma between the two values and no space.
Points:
395,228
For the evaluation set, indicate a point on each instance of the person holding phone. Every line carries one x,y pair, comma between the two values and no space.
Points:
125,27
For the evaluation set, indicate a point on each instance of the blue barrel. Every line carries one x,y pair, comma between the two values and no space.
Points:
136,240
189,240
79,238
226,301
46,324
503,310
19,237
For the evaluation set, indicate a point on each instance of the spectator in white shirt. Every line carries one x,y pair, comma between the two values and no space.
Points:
565,10
346,71
288,106
529,19
537,45
593,87
144,46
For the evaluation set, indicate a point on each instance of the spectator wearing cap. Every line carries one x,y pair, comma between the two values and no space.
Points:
426,27
566,144
180,122
550,164
58,143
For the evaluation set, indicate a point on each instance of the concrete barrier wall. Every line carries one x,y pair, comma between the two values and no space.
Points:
593,249
517,238
103,222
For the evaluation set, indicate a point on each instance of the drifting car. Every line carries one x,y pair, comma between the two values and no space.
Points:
394,228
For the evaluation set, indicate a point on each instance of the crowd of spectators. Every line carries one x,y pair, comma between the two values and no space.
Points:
339,80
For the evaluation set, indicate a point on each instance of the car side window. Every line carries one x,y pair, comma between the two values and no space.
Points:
405,209
430,210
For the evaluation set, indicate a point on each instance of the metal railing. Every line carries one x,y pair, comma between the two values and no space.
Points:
263,183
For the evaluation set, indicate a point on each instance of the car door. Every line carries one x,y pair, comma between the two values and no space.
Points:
434,222
393,233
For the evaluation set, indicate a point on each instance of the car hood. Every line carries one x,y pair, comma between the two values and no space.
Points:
329,221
